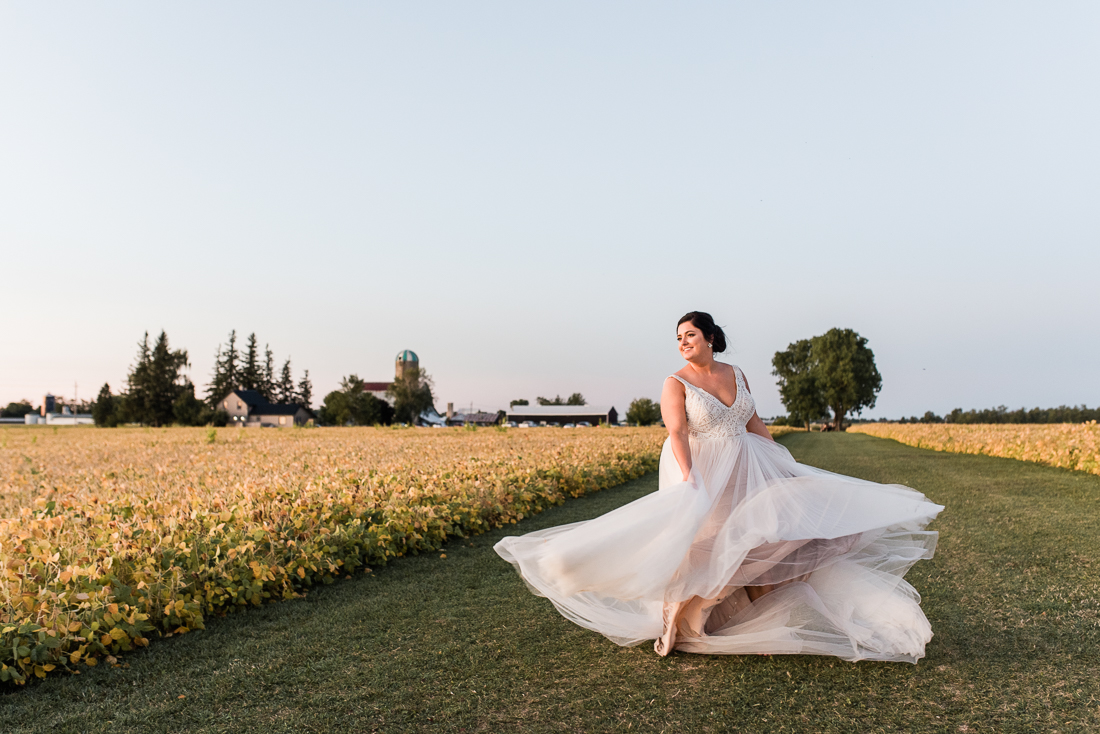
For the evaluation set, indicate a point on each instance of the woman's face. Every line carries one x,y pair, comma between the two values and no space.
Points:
693,345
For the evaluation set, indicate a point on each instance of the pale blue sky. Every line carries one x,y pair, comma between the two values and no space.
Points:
529,196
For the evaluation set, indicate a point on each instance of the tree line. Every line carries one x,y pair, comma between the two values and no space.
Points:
574,399
157,393
1001,414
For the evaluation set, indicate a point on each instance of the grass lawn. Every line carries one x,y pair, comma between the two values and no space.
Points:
459,645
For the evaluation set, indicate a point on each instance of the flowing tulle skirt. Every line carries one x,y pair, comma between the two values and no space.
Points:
673,566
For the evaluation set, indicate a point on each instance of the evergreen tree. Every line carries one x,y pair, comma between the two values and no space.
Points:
304,396
251,371
575,399
268,387
105,409
518,401
227,373
155,382
284,390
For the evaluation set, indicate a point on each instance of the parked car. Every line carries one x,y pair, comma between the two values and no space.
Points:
585,424
568,425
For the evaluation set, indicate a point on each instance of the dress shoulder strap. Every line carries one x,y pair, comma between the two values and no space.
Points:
681,379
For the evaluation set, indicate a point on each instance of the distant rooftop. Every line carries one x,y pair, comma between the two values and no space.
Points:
251,398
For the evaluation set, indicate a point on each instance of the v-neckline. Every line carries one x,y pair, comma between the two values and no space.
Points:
708,393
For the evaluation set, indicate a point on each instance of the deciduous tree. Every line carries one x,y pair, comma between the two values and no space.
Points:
835,371
798,383
643,412
848,377
17,410
411,394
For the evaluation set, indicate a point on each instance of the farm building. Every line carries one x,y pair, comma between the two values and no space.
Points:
561,414
406,358
249,408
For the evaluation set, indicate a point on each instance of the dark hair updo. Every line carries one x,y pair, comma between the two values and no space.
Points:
705,323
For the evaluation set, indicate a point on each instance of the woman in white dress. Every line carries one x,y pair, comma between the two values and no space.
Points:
742,550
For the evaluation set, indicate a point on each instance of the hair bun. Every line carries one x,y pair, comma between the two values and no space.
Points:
704,322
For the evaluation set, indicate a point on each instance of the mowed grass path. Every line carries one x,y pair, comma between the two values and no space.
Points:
459,645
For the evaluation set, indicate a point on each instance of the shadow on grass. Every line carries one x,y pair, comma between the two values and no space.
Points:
459,644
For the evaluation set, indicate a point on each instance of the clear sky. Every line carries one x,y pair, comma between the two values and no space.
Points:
529,195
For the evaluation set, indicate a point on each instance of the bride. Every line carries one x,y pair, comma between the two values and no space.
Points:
742,550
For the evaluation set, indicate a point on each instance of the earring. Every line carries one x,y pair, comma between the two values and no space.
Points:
711,346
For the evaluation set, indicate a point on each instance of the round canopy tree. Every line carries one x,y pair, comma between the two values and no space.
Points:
835,371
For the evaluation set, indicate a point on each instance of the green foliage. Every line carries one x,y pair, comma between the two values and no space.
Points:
212,435
351,405
1001,414
233,371
847,374
155,383
798,383
835,371
643,412
518,401
17,410
252,372
166,578
105,409
574,399
284,387
304,396
267,382
226,377
411,394
189,410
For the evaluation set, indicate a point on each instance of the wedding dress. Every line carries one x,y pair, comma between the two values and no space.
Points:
673,566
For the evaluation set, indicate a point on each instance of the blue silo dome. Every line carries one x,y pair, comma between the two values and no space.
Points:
407,356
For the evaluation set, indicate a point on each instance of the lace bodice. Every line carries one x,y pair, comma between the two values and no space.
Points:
708,417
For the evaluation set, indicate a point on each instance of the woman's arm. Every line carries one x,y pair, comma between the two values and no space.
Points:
755,424
675,417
